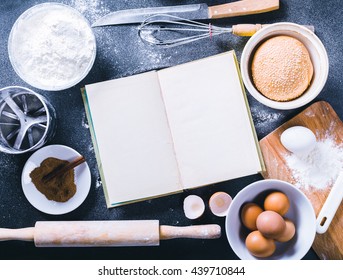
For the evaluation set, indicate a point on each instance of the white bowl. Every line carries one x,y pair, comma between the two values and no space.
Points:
317,53
301,213
52,46
37,199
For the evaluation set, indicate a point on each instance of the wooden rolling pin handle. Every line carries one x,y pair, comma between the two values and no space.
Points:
251,29
200,232
23,234
241,8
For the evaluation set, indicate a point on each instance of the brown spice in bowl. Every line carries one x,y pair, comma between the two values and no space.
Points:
281,68
60,188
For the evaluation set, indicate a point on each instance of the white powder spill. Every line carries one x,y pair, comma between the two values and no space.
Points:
91,9
98,183
310,114
264,121
85,122
320,168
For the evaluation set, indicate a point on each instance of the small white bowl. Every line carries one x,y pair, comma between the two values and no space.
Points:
317,53
37,199
300,212
73,46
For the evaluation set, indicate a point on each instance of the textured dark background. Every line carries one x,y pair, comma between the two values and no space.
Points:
121,53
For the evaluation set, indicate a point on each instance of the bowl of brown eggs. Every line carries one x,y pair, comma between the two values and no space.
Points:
270,220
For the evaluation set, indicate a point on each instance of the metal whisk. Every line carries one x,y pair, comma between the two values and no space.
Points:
169,30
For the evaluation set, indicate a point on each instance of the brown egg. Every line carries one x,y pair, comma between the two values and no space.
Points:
249,214
258,245
278,202
288,233
270,224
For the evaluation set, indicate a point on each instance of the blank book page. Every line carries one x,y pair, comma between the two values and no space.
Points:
209,121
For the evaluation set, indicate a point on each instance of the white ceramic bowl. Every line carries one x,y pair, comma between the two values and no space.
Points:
52,46
301,213
318,56
37,199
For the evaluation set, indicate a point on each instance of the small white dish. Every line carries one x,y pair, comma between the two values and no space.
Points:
317,53
37,199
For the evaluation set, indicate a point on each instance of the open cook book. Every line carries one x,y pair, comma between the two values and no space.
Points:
178,128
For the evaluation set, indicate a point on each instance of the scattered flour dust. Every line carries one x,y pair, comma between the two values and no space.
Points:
265,120
98,183
91,9
320,168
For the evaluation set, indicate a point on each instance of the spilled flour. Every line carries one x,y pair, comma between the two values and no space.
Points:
91,9
320,168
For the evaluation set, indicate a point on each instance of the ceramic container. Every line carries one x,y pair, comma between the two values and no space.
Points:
300,212
317,53
61,50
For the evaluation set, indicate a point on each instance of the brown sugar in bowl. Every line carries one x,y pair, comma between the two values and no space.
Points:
300,95
281,68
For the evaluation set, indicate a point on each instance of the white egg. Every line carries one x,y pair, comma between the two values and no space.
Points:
298,140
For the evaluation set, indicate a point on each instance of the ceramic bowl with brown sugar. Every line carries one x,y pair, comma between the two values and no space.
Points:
316,52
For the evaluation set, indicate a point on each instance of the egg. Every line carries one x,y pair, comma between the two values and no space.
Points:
258,245
270,224
288,233
249,214
277,202
193,206
219,203
298,140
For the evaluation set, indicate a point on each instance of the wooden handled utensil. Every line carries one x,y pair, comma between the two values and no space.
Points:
106,233
169,30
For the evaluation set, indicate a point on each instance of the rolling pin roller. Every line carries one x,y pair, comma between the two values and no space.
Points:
106,233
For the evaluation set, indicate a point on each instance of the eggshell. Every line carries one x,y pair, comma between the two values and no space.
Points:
277,202
219,203
258,245
298,140
270,224
193,206
288,233
249,214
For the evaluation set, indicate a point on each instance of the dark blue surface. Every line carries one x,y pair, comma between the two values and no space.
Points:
121,53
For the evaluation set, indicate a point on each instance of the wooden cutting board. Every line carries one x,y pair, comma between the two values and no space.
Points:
323,121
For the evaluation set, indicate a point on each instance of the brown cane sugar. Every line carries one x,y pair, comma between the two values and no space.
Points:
60,188
281,68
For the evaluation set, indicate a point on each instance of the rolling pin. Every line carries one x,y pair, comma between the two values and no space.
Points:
106,233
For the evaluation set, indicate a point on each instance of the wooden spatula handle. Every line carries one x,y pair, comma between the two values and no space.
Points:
200,231
245,29
24,234
251,29
241,8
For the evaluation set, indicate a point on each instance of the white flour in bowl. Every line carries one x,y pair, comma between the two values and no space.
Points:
320,168
52,46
